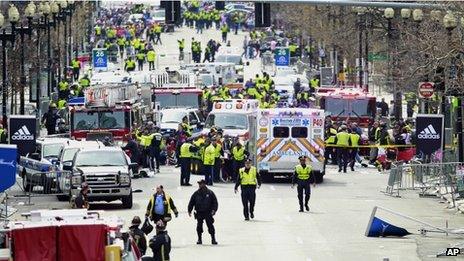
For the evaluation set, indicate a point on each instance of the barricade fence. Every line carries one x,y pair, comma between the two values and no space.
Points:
445,178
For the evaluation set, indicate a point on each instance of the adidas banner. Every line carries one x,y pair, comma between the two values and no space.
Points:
22,132
429,134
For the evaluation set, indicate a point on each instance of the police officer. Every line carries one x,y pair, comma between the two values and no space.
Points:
224,30
301,177
342,140
129,65
50,118
76,67
209,156
151,57
157,31
186,150
186,126
206,205
330,134
238,154
155,148
145,142
354,141
84,82
181,48
140,59
248,179
63,89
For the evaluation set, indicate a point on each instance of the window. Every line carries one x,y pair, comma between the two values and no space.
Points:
281,132
227,121
100,158
85,120
299,132
192,118
112,120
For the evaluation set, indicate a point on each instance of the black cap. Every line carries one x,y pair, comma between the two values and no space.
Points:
248,161
136,220
201,181
301,157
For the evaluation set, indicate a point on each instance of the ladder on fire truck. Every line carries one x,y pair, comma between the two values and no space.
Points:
108,95
172,79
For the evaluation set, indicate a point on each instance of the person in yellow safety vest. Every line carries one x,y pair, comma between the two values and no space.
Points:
209,156
76,67
251,91
186,150
97,30
63,89
2,135
140,59
238,154
292,49
342,140
61,104
84,82
302,177
145,141
248,179
314,83
121,43
151,57
136,43
354,141
217,161
186,126
181,44
160,206
129,65
302,97
224,30
158,30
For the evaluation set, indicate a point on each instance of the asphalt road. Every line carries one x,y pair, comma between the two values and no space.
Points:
332,230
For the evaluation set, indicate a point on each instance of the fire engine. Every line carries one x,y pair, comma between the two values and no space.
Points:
110,111
176,89
352,105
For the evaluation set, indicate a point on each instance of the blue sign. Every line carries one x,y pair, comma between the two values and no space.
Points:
282,57
100,59
8,161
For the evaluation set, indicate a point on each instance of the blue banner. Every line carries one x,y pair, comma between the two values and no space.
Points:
8,162
100,59
380,228
282,57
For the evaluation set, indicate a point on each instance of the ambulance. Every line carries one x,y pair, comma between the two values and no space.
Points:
283,135
236,118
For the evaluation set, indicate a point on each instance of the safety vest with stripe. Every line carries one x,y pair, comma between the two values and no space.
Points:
166,202
238,153
248,178
303,173
185,150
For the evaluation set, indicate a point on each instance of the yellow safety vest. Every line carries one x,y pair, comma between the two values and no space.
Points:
61,104
331,138
76,64
145,140
217,150
354,138
239,154
303,173
315,83
185,150
84,82
343,138
63,86
209,155
130,64
140,56
151,56
248,178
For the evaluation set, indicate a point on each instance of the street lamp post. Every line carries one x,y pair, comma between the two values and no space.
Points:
389,13
450,23
361,13
70,42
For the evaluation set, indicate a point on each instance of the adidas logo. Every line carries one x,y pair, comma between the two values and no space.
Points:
429,133
22,134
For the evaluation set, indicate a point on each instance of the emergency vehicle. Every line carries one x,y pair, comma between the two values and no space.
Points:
236,118
67,234
219,73
351,105
232,55
109,111
284,134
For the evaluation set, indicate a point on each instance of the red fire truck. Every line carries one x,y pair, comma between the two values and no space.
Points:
351,104
109,111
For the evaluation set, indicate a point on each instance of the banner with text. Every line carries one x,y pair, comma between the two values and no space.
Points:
429,135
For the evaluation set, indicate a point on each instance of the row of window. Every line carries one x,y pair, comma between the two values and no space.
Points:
284,132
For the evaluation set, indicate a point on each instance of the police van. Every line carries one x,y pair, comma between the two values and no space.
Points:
236,118
283,135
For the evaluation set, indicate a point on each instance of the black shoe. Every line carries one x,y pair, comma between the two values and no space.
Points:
364,165
339,170
199,242
252,215
307,207
247,219
187,184
213,240
301,209
352,169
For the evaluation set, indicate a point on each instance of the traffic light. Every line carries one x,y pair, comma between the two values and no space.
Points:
220,5
172,8
262,14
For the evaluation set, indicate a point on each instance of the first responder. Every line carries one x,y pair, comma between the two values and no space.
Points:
330,133
129,65
76,68
238,155
155,149
301,177
63,89
224,30
342,140
248,179
205,203
354,141
160,206
186,126
160,244
217,160
181,48
145,142
186,150
151,57
157,29
84,82
140,59
138,235
209,156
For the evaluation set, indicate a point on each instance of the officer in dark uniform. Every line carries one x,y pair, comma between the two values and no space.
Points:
205,203
138,235
301,177
160,244
248,178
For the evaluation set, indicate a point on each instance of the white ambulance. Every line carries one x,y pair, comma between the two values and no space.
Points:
283,135
236,118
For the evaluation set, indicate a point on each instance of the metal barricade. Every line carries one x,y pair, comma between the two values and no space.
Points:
445,178
52,183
